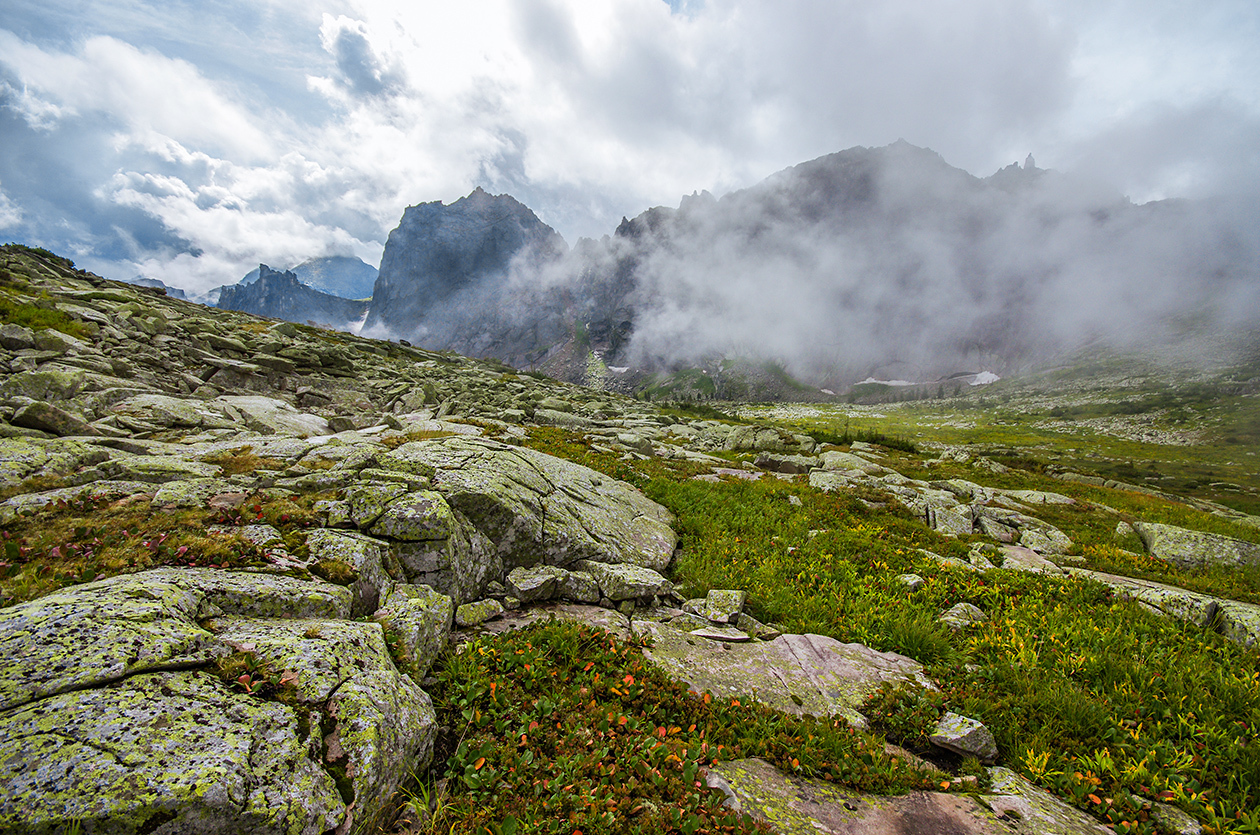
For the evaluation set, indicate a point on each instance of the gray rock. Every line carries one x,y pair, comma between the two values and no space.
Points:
369,500
728,634
718,606
533,505
416,517
419,620
800,806
368,557
16,337
474,614
1195,549
962,615
540,582
793,673
48,418
965,736
912,582
1033,810
625,582
193,492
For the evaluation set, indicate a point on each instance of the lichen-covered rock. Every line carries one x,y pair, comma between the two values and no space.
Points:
1236,620
156,468
173,749
369,500
532,505
1195,549
625,582
48,418
419,619
194,492
962,615
966,736
1019,558
478,612
1045,539
718,606
171,412
368,558
384,724
460,565
798,806
100,633
268,416
45,384
797,674
577,586
416,517
1034,810
95,491
537,583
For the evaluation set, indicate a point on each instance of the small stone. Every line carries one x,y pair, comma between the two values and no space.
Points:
472,614
965,736
912,582
536,583
962,615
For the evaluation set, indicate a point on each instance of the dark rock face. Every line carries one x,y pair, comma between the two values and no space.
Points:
337,275
281,296
447,276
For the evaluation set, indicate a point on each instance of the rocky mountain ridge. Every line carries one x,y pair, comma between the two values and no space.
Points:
347,508
282,295
884,263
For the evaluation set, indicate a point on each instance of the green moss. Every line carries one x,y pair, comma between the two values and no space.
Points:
335,571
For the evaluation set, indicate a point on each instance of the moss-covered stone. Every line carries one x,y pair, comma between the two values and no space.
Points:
1195,549
418,619
177,748
624,582
365,556
416,517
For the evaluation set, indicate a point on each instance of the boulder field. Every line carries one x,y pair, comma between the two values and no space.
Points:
287,694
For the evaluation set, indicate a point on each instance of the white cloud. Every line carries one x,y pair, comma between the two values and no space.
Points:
143,90
10,214
590,109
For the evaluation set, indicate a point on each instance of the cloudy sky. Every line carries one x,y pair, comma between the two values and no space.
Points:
188,141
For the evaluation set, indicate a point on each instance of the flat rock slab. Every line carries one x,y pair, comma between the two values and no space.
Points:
174,748
1194,549
796,806
797,674
609,620
1237,621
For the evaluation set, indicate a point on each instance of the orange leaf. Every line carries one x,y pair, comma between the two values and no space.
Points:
796,763
945,784
588,666
707,698
1094,798
479,763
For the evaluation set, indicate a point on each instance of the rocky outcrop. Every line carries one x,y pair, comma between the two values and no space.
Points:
281,295
1195,549
797,806
115,707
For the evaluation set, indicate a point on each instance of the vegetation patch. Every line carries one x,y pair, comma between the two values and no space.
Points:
1080,689
561,728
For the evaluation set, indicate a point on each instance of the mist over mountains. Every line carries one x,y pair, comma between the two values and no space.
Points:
884,262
